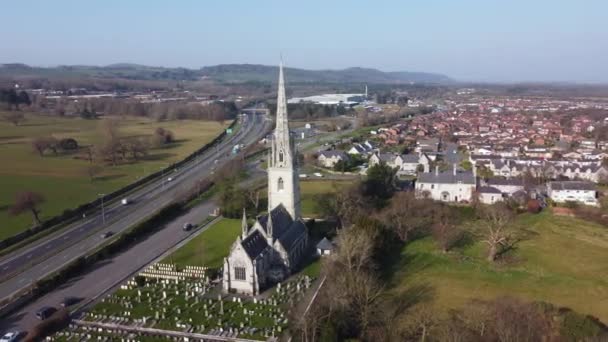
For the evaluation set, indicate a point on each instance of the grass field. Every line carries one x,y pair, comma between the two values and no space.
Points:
63,179
309,189
210,247
562,260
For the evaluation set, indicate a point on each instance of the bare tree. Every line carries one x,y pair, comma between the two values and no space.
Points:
93,170
407,214
444,231
28,201
15,118
254,197
498,219
40,145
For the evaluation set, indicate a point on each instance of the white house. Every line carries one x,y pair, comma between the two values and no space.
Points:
573,191
325,247
489,195
361,148
449,186
330,158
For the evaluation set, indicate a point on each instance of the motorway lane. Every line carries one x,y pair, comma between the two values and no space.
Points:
108,272
79,240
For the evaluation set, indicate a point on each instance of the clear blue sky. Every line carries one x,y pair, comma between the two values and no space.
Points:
481,40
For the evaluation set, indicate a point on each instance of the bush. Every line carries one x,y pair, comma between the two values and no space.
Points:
533,206
578,327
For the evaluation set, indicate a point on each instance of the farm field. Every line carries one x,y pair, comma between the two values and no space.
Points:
562,260
63,179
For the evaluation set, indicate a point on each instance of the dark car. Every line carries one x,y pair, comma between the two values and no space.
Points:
188,226
45,312
69,301
107,234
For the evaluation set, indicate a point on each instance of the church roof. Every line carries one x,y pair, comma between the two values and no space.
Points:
254,244
281,221
296,230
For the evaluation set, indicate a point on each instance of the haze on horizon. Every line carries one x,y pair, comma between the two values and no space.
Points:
468,40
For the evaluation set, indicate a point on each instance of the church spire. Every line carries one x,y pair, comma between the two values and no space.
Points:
282,128
244,227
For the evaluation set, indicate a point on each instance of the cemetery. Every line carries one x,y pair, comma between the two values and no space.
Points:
164,298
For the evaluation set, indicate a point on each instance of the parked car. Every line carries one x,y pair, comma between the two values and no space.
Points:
188,226
45,312
317,174
125,201
107,234
303,175
69,301
12,336
169,179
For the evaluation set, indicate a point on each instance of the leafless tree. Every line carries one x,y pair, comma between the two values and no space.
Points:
28,201
406,214
498,219
444,230
93,170
15,118
254,197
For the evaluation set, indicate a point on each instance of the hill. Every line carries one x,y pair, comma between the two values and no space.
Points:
226,73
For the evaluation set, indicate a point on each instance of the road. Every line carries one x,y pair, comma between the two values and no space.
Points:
107,273
52,253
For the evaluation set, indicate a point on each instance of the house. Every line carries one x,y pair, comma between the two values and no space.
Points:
272,248
386,158
427,145
573,191
506,186
330,158
361,148
408,163
489,194
325,247
448,186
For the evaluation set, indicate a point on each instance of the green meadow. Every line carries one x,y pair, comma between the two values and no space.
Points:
63,179
561,260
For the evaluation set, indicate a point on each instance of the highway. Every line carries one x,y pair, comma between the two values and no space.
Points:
51,253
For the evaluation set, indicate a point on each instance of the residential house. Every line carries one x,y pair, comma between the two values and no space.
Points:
330,158
573,191
448,186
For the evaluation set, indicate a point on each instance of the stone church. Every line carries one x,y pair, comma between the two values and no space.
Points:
268,251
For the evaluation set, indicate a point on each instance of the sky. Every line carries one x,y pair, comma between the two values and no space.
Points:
468,40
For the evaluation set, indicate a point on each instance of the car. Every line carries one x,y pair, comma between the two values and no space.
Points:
303,175
45,312
317,174
125,201
107,234
12,336
69,301
188,226
169,179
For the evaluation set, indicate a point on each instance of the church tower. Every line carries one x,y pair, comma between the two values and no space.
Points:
283,182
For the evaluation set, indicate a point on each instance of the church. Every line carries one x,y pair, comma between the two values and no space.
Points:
270,250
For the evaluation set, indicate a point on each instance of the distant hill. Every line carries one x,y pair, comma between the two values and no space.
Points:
229,73
264,73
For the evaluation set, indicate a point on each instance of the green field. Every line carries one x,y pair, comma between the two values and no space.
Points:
561,260
63,179
210,247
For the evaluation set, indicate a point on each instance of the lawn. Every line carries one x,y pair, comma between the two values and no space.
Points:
310,189
210,247
562,260
63,179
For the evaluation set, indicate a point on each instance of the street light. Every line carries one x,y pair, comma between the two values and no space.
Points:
103,211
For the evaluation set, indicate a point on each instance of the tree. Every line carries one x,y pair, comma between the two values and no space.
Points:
93,170
444,231
15,118
380,182
28,201
41,144
498,219
407,214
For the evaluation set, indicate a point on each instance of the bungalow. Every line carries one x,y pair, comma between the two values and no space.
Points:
489,195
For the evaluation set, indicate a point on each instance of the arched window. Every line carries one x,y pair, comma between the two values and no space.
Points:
280,156
280,184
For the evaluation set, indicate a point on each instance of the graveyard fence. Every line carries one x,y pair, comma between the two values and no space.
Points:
159,332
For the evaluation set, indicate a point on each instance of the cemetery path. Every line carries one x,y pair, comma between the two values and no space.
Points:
108,273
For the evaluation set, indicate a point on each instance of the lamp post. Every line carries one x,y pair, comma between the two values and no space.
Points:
103,211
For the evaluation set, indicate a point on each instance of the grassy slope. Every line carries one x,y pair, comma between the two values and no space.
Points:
63,179
564,261
210,247
308,190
